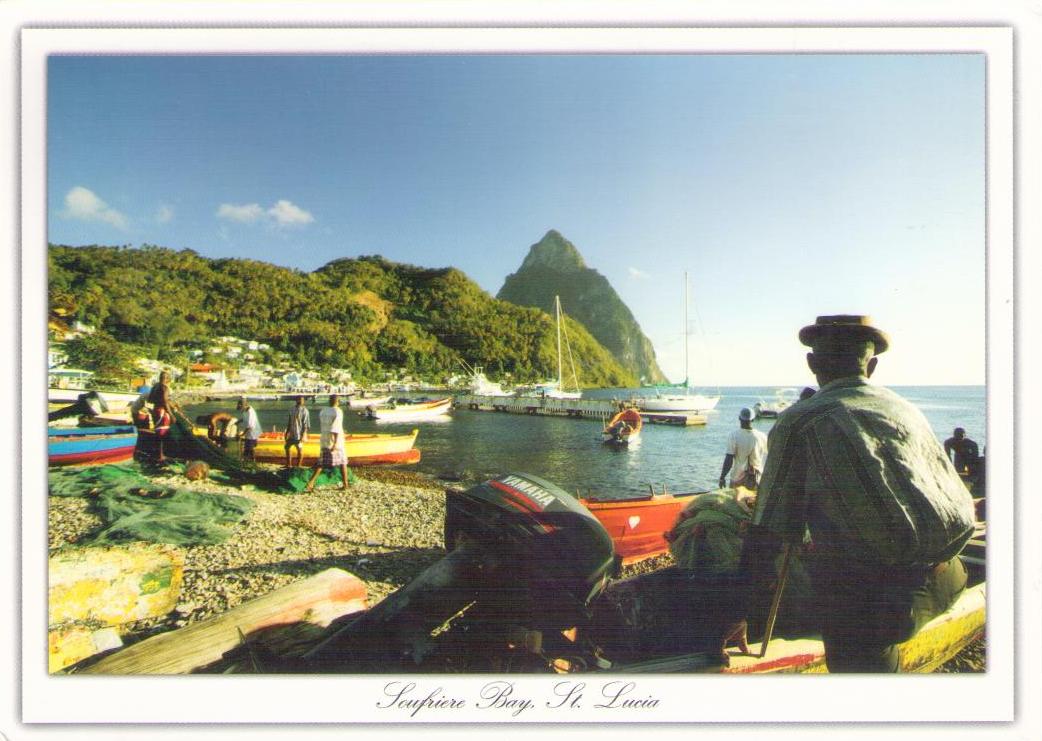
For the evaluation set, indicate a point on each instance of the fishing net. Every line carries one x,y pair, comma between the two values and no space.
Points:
133,507
709,537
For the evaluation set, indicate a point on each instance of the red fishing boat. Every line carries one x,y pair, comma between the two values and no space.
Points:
638,526
623,428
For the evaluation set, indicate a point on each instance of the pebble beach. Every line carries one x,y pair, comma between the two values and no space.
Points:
385,529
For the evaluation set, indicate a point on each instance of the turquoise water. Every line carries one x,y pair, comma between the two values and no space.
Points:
569,452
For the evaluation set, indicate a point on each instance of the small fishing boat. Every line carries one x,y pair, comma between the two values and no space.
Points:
623,428
361,403
638,525
72,446
361,449
783,399
114,400
410,412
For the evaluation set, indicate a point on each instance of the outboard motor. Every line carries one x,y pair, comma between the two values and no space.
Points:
525,558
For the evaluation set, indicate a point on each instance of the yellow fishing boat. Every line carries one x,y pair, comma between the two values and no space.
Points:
361,449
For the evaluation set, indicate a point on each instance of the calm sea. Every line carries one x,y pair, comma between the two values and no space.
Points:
478,445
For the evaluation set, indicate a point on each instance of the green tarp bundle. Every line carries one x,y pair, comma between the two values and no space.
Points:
132,507
709,539
295,480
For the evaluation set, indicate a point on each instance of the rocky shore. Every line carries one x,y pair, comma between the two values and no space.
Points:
385,529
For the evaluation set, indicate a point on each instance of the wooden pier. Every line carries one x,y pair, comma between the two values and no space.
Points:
601,409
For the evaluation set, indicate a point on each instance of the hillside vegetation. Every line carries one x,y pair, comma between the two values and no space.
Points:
367,314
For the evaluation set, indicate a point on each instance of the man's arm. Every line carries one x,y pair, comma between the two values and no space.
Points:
728,462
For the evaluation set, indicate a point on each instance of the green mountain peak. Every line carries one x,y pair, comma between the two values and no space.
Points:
555,252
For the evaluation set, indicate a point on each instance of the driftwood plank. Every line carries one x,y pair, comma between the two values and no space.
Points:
319,600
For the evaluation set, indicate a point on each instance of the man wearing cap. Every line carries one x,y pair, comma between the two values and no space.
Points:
746,453
859,469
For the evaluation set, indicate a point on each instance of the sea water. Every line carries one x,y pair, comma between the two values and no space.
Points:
471,446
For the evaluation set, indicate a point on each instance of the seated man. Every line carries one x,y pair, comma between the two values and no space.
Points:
859,469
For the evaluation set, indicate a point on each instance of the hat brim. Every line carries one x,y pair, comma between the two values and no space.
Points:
811,334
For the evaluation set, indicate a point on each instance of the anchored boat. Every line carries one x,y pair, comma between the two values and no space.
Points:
623,428
411,412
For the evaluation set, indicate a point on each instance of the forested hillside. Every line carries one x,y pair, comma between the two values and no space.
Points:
367,314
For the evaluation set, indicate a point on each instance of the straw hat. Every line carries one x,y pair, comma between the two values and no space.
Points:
846,326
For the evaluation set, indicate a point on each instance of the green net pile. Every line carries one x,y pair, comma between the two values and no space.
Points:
295,480
709,540
132,507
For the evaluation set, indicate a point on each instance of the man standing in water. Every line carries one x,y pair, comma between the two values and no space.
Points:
860,469
746,453
331,422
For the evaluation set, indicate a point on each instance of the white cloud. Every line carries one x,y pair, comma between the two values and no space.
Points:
246,214
83,204
638,274
283,213
286,213
165,214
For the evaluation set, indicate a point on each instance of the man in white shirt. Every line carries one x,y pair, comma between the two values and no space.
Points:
331,423
746,453
249,428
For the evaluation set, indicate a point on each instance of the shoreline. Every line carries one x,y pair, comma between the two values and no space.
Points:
385,529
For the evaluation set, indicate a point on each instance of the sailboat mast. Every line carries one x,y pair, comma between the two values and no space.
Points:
560,373
687,339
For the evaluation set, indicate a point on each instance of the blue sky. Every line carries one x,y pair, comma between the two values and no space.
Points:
786,185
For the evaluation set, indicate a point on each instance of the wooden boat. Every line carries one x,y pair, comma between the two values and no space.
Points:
783,399
115,400
70,446
361,403
623,428
411,412
638,526
361,449
93,592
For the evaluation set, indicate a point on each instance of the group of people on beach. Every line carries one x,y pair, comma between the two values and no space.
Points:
857,483
247,428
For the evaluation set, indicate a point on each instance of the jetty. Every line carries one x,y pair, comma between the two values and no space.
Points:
601,409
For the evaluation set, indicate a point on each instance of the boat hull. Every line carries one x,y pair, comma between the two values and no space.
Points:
90,445
634,422
412,412
678,403
361,450
638,526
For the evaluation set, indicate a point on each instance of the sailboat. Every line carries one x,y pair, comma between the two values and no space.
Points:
680,402
555,389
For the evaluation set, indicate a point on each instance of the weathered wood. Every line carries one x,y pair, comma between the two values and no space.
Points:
68,645
113,585
318,600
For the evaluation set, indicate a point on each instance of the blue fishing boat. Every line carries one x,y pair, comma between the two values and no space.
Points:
70,446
